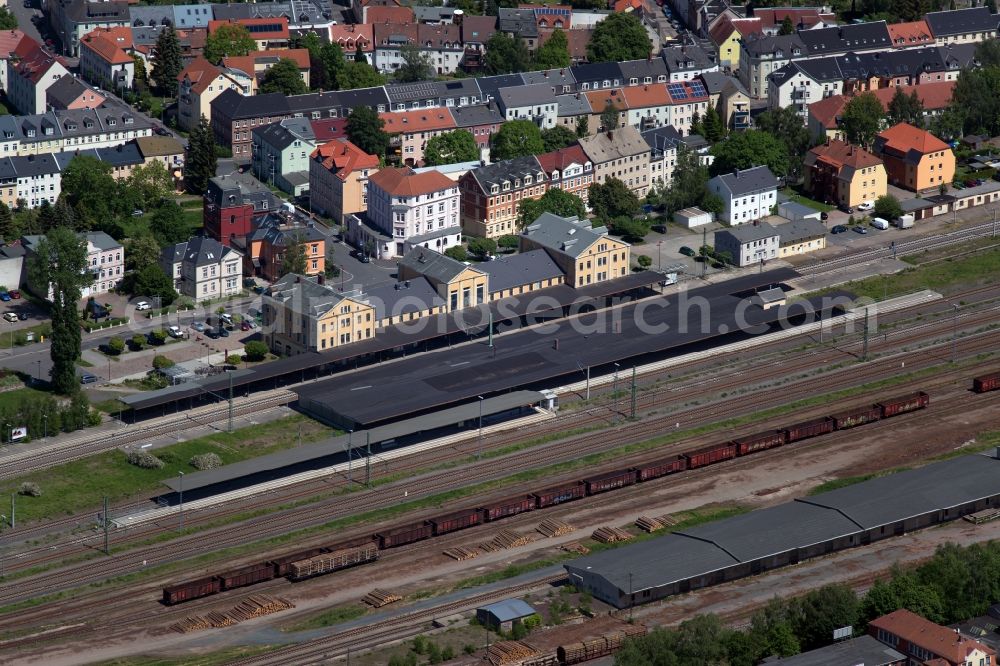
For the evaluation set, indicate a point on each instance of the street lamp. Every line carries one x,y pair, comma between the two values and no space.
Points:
479,446
181,503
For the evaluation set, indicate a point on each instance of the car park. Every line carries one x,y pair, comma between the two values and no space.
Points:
860,229
10,316
142,305
838,229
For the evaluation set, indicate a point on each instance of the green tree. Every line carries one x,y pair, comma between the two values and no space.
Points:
365,129
90,189
284,78
711,126
988,53
556,201
481,247
255,350
7,20
168,63
786,125
62,214
359,74
618,38
229,39
696,127
510,241
326,60
630,229
294,258
905,108
116,345
887,207
8,229
168,224
815,615
748,149
554,52
141,251
609,117
558,137
582,126
612,199
201,162
516,138
60,261
417,65
689,185
505,55
861,119
787,27
151,281
148,184
450,148
457,252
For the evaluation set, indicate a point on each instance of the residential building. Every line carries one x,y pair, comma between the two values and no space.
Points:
687,98
105,63
621,154
122,159
31,71
647,106
269,33
274,235
643,72
166,150
602,101
910,34
734,105
963,26
338,179
536,103
441,44
199,84
492,195
72,19
726,34
203,268
801,237
747,195
861,650
569,169
571,108
302,15
914,158
459,285
586,254
481,120
32,178
70,92
857,37
231,205
281,154
302,314
354,37
803,82
255,65
843,174
662,142
686,62
761,55
476,32
428,94
411,130
824,115
803,18
596,76
192,16
924,642
748,244
105,262
110,124
407,209
9,39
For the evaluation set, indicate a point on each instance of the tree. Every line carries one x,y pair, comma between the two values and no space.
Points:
786,125
612,199
457,252
482,247
451,148
359,74
168,224
696,127
7,20
151,281
582,126
201,162
364,128
689,184
284,78
116,345
905,108
619,37
141,251
861,119
8,230
417,66
748,149
609,117
326,60
629,228
787,27
60,261
815,615
556,201
229,39
255,350
887,207
510,241
988,53
505,55
516,138
644,261
149,183
558,137
711,126
90,189
168,63
554,52
294,258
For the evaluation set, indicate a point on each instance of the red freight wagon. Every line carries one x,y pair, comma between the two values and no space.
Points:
250,575
195,589
760,441
281,564
660,468
710,454
903,404
856,417
808,429
610,481
986,383
508,507
456,521
560,494
401,536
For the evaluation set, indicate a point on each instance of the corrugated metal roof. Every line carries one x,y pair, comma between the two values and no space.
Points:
508,609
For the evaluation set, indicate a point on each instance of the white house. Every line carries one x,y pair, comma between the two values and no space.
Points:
105,261
749,244
746,195
536,103
203,268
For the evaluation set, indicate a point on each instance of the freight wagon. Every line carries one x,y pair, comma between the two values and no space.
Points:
455,521
808,429
560,494
610,481
903,404
856,417
760,441
508,507
281,564
195,589
710,455
333,561
250,575
400,536
661,468
986,383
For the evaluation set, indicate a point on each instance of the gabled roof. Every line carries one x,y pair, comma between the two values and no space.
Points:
558,160
553,77
473,116
251,106
934,638
564,235
342,157
601,99
727,25
749,233
651,68
418,120
526,95
407,183
68,89
687,58
620,143
842,38
105,49
933,96
434,265
905,140
661,139
754,179
201,73
283,134
350,35
9,39
303,294
260,28
839,154
519,269
508,609
961,21
328,129
911,33
510,171
644,96
444,36
802,17
33,61
376,15
478,29
249,63
198,251
773,45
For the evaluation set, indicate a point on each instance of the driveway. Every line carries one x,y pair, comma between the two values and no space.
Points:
354,274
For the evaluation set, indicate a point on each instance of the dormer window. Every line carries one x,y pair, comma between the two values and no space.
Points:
606,83
129,120
506,185
633,81
494,189
527,180
112,122
30,133
517,182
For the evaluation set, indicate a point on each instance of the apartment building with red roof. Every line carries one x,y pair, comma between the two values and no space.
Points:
256,64
843,174
104,60
352,36
269,33
914,158
925,642
338,179
9,39
389,15
910,33
199,83
803,18
31,70
411,130
569,169
823,118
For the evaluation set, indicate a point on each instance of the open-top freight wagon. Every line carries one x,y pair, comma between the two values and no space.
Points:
986,383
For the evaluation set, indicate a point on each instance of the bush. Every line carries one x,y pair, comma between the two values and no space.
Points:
205,461
158,337
255,350
138,341
457,253
644,261
160,362
234,359
421,645
30,489
116,345
508,242
887,207
447,653
143,459
481,247
469,648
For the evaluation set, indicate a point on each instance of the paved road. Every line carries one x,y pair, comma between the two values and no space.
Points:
23,15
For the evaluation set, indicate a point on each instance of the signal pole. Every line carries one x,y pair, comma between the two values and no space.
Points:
864,351
368,459
633,392
107,549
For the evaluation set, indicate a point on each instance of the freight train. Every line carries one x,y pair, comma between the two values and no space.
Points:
985,383
326,559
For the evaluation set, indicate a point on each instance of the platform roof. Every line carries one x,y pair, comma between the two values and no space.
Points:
334,445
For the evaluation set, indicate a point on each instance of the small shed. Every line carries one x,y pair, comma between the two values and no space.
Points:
796,211
502,615
769,298
692,217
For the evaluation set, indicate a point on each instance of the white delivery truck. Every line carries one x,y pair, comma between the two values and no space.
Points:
904,221
880,223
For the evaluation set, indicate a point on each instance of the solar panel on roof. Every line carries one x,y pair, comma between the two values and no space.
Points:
697,89
677,91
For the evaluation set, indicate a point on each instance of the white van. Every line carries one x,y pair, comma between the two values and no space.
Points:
879,223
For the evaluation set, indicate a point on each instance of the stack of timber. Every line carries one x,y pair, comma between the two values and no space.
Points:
575,547
459,553
576,653
511,539
378,598
509,652
984,516
610,535
254,606
553,528
327,562
649,524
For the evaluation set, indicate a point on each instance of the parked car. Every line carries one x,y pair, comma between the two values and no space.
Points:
211,332
860,229
161,131
198,326
245,325
10,316
4,296
23,316
175,332
838,229
223,332
15,293
866,205
142,305
686,251
846,209
87,378
365,259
